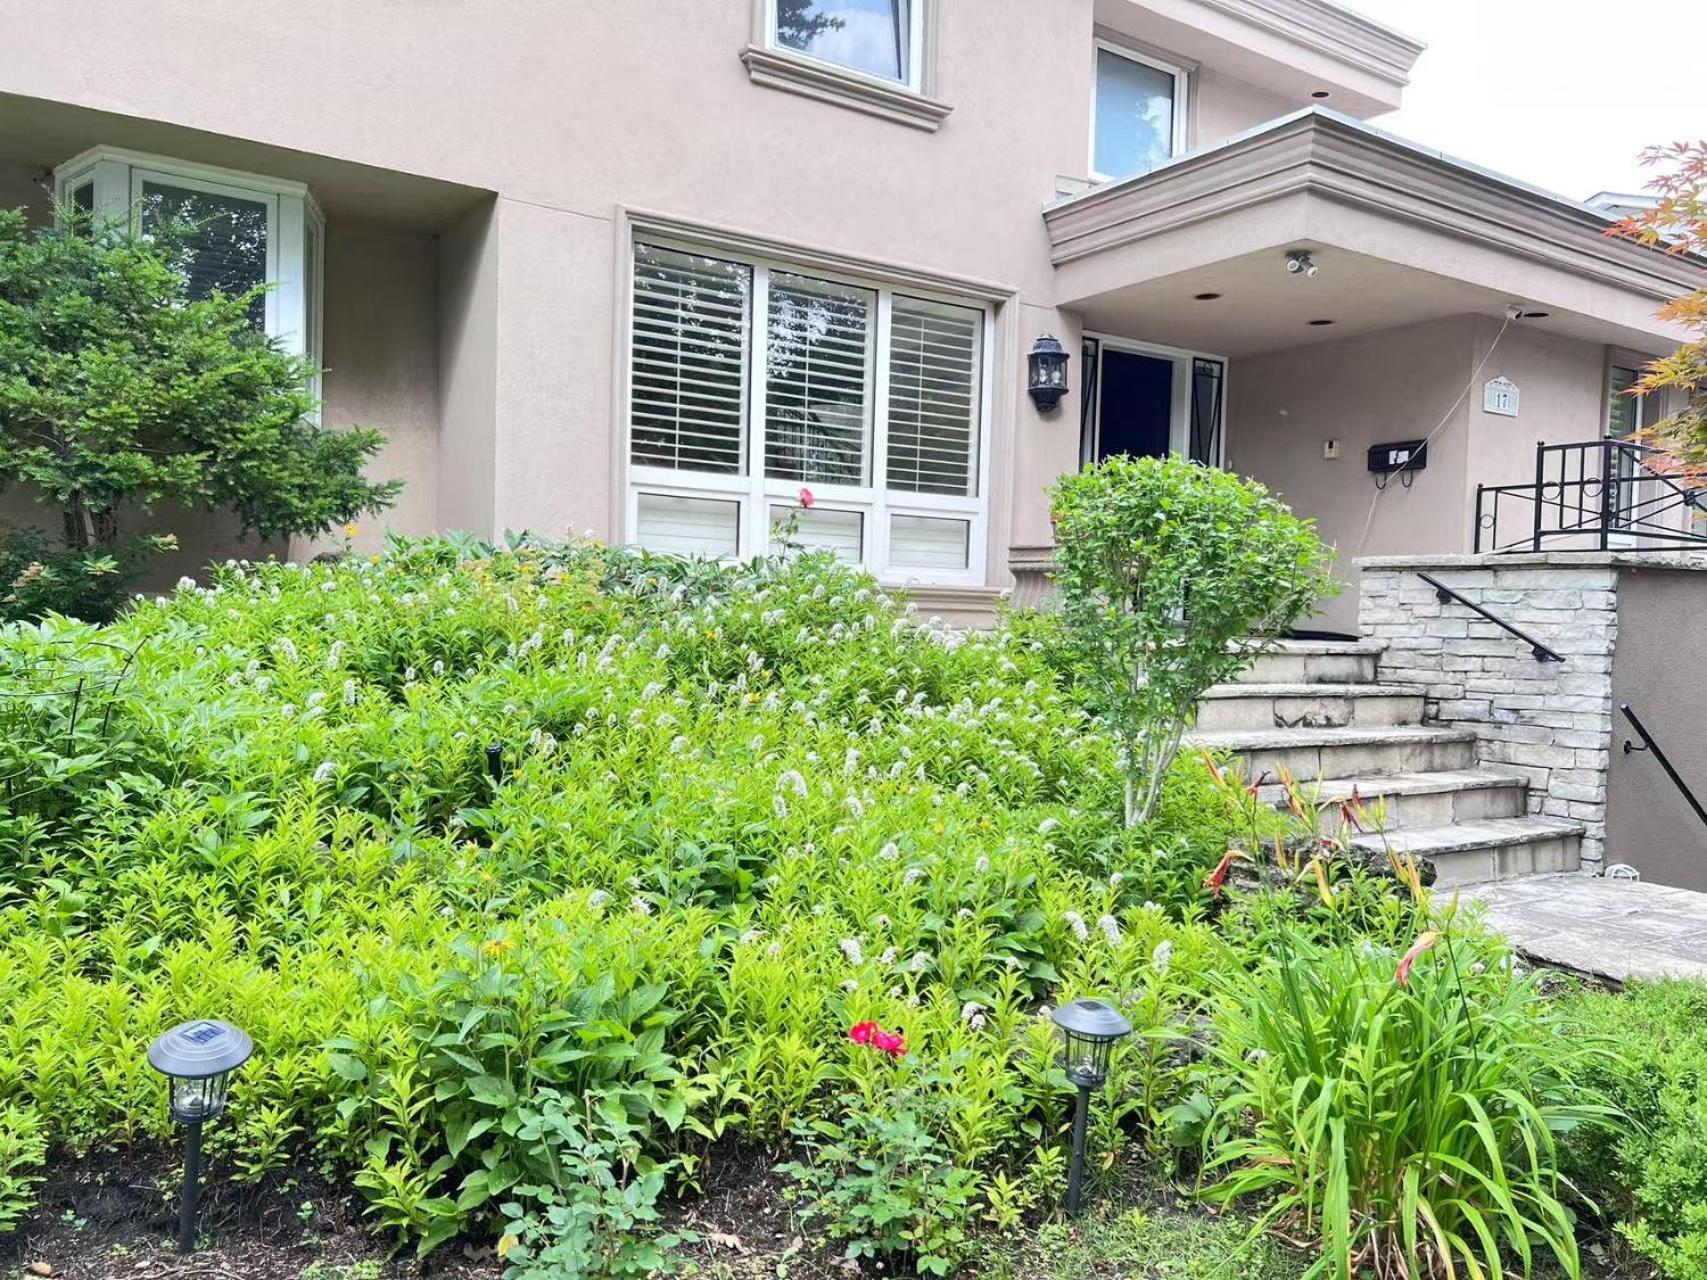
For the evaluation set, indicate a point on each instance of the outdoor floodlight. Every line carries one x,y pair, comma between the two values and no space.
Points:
197,1059
1048,369
1089,1029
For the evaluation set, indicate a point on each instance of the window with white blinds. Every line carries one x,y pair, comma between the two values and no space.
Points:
762,395
935,357
817,380
688,359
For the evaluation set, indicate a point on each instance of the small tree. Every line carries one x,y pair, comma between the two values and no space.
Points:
1173,576
119,391
1679,221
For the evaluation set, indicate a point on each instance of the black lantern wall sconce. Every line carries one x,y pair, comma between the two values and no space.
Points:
197,1059
1089,1030
1047,382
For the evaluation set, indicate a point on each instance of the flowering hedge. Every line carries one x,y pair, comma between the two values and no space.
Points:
456,833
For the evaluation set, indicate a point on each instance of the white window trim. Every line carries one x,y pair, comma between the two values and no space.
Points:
1179,412
759,492
1182,84
914,80
292,316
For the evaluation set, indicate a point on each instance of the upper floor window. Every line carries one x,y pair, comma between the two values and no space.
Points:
874,37
247,230
1138,119
750,381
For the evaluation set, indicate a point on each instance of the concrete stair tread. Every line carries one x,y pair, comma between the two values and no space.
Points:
1408,784
1316,647
1296,690
1457,837
1304,736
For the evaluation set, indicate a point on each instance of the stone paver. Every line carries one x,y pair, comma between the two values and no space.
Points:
1614,929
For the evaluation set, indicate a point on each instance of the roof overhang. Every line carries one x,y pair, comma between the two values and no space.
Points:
1429,235
1290,47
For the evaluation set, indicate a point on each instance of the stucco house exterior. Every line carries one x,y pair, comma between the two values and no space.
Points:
648,269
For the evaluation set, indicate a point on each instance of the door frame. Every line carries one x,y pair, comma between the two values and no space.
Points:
1179,411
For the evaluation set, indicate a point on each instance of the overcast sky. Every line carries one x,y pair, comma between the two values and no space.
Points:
1561,93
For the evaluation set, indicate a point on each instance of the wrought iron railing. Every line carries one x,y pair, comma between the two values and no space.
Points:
1596,495
1649,745
1446,594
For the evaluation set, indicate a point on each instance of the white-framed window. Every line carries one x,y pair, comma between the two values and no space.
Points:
1138,112
751,379
878,38
250,230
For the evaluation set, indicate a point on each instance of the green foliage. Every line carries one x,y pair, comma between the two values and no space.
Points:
1400,1110
1171,576
1160,1244
739,810
880,1179
1653,1170
23,1151
118,390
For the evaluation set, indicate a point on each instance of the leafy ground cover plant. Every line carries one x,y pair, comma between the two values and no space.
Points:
1400,1112
1172,577
1651,1172
461,828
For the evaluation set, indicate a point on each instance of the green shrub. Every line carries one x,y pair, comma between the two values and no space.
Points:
1651,1171
23,1151
1172,576
737,810
1399,1110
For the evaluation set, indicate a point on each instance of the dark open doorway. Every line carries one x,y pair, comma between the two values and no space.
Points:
1137,405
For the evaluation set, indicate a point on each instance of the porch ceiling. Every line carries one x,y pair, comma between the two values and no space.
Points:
43,134
1398,234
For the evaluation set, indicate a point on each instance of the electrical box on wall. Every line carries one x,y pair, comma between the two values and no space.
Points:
1398,455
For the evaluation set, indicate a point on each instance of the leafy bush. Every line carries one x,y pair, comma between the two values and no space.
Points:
1172,576
118,389
1651,1171
1400,1110
736,810
23,1150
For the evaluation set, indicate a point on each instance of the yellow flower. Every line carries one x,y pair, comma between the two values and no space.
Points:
351,529
498,946
373,559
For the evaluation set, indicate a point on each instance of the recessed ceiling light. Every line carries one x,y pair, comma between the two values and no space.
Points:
1205,297
1321,322
1319,94
1533,315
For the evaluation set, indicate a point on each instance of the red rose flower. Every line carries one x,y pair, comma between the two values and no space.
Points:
863,1032
891,1042
806,498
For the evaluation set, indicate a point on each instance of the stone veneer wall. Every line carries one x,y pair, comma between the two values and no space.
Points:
1548,721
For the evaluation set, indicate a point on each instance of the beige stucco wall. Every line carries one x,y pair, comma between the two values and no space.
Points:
1661,647
1405,384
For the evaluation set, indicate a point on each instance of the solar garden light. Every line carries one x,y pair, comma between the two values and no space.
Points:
198,1059
1089,1029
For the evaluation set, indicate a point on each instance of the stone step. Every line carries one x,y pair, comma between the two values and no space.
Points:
1411,800
1490,849
1228,708
1316,662
1312,754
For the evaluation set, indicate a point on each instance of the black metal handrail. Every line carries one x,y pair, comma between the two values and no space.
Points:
1591,495
1649,745
1445,594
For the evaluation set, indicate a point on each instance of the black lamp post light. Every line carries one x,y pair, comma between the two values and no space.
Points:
1047,382
1089,1030
197,1058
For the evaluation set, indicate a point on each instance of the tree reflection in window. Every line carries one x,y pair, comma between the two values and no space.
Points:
862,35
224,249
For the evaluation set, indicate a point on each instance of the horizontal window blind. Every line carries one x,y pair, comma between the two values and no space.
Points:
935,363
688,526
821,529
817,398
929,542
688,361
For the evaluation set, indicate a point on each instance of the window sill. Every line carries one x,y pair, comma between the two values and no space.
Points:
827,83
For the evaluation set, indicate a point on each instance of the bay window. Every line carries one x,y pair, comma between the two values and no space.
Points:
751,381
248,231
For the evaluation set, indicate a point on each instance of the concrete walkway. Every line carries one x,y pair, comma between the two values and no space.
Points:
1613,929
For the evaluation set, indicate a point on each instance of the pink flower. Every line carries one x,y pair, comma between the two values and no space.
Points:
891,1042
806,498
1424,942
864,1032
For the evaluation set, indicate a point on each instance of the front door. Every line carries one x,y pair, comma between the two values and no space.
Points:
1148,402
